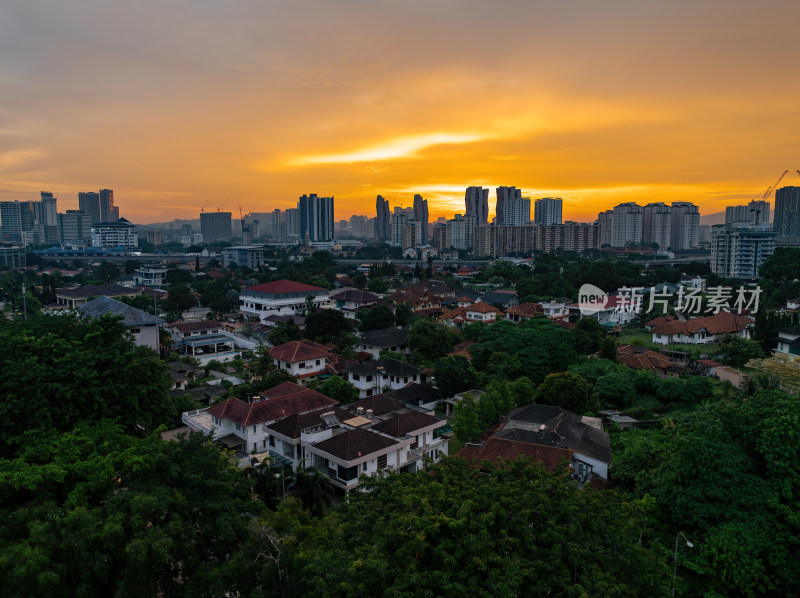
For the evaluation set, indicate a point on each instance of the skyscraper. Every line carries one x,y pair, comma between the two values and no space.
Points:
316,218
685,225
504,196
476,201
383,224
739,249
400,218
421,217
756,212
787,213
657,225
626,224
48,222
108,211
547,211
16,218
89,204
215,226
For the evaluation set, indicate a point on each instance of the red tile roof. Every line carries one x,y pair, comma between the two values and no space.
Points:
276,287
527,309
641,358
723,322
356,295
281,401
496,448
296,351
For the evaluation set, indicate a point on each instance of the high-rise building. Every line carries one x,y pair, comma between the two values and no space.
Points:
108,235
292,221
547,210
421,218
516,212
787,214
48,221
476,201
89,204
108,211
362,227
685,225
505,195
605,221
439,237
461,231
216,226
400,217
756,212
16,218
657,225
570,236
316,218
74,226
383,224
626,224
739,249
502,241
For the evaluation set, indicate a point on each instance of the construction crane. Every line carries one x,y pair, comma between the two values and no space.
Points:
756,217
772,187
204,207
245,229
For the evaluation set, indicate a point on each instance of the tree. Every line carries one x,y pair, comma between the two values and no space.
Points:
404,315
541,346
588,335
617,389
179,298
60,369
178,276
327,326
516,530
100,513
378,285
377,317
608,349
106,272
783,266
455,374
284,332
431,339
313,490
737,351
339,389
568,391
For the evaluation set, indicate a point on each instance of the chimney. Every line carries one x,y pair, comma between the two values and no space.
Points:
369,413
359,411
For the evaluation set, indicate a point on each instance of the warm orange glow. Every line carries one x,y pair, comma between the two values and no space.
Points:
257,104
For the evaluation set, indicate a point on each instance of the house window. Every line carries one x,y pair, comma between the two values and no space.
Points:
240,428
347,474
317,361
382,462
369,378
356,377
272,441
302,365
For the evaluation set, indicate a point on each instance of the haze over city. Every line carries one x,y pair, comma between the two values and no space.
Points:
257,103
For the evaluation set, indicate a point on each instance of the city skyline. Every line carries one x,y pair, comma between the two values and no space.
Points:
221,106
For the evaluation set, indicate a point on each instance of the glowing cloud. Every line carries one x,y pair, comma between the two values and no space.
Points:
399,147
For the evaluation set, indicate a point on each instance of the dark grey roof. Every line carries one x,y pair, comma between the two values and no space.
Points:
392,367
416,394
386,337
379,404
131,316
401,424
355,444
553,426
501,298
791,330
95,290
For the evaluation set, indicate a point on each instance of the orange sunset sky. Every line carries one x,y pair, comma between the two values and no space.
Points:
180,104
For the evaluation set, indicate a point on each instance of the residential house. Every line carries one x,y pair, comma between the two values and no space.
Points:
142,325
476,312
642,358
350,302
388,339
524,311
151,275
668,330
241,426
551,426
301,358
505,299
281,297
497,450
788,341
77,296
204,340
618,311
376,377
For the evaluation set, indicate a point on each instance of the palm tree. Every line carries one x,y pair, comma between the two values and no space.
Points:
313,490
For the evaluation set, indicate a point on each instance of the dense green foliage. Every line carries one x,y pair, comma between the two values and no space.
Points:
473,415
59,369
730,479
96,512
569,391
454,374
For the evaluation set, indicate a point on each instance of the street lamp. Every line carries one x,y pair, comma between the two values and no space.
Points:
675,558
